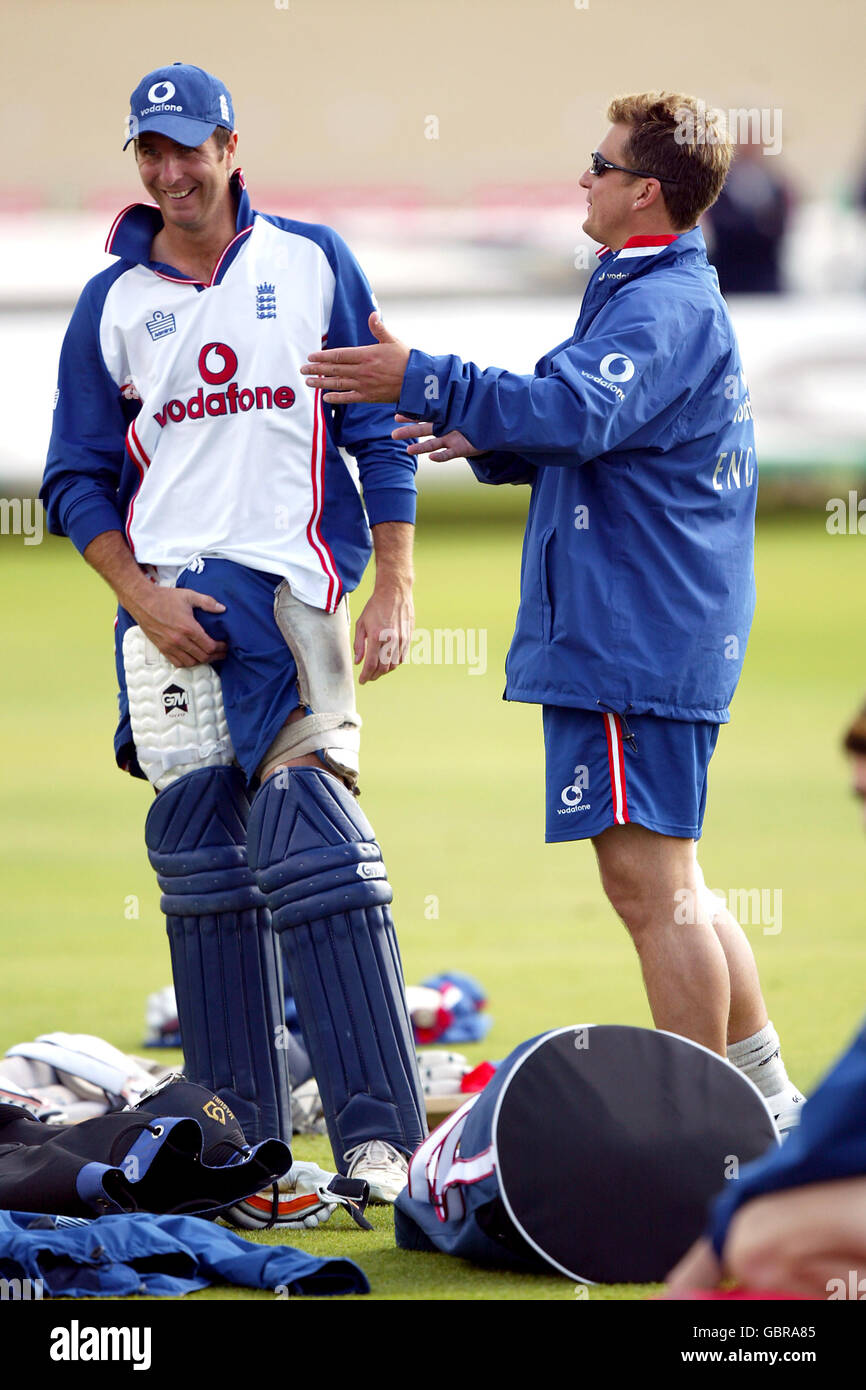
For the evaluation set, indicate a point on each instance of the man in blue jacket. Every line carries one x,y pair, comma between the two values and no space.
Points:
637,586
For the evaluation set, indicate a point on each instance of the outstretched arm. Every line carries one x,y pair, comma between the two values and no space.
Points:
631,371
354,375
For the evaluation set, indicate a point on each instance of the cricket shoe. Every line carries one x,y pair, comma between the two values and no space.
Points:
382,1166
304,1198
786,1107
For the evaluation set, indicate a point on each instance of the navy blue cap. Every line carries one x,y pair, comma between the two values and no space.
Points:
181,101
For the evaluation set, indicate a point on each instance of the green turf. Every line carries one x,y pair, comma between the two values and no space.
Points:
452,780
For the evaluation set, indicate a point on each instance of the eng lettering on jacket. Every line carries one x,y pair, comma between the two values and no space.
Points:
734,470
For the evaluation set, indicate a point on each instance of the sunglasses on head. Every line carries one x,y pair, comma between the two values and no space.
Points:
599,165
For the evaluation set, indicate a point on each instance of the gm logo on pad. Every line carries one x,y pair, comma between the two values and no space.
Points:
175,701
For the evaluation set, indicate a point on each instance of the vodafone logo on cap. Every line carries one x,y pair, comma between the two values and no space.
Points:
160,92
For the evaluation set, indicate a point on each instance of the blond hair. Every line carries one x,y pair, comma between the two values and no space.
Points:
678,138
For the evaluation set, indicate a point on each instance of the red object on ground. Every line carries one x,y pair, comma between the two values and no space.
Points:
432,1034
478,1078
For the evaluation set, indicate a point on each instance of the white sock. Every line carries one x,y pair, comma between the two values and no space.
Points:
760,1059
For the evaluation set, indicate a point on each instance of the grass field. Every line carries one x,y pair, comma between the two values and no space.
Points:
452,781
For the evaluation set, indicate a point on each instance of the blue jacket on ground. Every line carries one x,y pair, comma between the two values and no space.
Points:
136,1253
828,1144
636,436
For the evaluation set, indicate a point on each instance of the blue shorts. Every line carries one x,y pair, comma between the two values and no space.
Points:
608,769
259,675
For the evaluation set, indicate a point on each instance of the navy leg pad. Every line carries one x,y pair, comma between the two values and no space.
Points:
317,862
224,956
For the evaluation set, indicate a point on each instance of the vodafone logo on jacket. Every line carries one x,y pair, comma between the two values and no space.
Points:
217,366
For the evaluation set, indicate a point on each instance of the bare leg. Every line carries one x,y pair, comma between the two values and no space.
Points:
748,1014
648,877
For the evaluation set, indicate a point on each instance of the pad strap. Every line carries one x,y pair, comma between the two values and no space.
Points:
307,735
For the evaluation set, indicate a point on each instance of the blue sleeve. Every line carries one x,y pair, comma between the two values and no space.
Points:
828,1144
88,437
639,362
385,467
499,467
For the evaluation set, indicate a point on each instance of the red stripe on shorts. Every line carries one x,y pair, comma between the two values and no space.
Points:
616,767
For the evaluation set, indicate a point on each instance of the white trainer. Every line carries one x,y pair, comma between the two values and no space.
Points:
787,1107
380,1165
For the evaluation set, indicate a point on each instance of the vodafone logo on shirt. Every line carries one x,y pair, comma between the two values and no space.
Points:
217,366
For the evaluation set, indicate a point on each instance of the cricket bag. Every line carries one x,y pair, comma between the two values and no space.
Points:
179,1150
592,1152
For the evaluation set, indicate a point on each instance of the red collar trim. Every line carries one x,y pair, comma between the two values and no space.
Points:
651,240
141,222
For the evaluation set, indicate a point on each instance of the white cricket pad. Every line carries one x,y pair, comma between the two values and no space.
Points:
321,645
177,714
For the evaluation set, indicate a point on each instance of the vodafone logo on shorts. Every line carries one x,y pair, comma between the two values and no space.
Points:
217,366
572,795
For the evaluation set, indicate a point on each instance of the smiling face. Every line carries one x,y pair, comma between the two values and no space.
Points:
619,205
190,186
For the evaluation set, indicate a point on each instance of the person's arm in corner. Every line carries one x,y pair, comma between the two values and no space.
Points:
828,1144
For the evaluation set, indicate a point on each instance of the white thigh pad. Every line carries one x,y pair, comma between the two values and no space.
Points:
177,715
322,649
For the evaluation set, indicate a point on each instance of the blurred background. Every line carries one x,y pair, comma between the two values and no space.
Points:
445,142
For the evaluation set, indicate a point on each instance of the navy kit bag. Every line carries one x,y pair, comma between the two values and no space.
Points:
593,1152
179,1150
